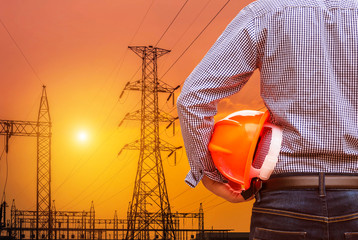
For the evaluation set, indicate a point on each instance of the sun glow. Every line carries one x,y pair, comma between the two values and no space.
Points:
82,136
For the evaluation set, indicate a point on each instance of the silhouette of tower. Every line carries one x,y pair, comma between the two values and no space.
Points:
41,129
149,214
43,203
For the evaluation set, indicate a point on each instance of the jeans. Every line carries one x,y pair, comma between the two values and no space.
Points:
325,214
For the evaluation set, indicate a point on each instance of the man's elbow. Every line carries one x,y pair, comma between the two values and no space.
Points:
181,103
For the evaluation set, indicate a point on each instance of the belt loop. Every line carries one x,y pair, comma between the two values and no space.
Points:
258,197
322,185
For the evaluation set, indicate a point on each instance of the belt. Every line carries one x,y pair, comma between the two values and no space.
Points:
311,181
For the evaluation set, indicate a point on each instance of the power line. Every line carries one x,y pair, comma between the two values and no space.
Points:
118,66
214,206
99,187
112,179
203,199
166,30
196,38
142,21
77,167
92,183
197,15
22,52
114,72
100,203
186,190
191,24
3,151
6,172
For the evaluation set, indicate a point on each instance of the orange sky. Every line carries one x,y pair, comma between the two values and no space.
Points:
78,49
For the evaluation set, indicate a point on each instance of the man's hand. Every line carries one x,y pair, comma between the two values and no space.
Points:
223,190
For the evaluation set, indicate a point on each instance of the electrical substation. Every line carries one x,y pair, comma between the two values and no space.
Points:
142,222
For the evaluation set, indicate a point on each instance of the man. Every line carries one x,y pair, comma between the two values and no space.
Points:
307,54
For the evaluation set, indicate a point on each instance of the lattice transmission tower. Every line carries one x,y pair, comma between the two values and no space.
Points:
149,213
41,129
43,205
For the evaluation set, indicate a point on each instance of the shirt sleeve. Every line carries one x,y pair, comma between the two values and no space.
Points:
222,72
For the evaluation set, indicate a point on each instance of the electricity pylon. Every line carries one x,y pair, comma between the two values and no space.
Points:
41,129
149,213
43,206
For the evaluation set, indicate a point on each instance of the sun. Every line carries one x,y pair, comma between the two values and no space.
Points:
82,136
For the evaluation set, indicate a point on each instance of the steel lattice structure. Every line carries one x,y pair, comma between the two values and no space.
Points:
149,213
41,129
142,222
83,225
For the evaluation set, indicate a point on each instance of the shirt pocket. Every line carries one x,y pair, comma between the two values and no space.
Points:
351,235
269,234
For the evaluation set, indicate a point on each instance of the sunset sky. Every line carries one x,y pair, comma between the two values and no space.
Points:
79,50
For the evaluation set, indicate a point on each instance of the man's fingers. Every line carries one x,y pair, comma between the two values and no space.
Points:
223,190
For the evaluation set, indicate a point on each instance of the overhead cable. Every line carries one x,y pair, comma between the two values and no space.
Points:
166,30
142,21
22,52
192,23
196,38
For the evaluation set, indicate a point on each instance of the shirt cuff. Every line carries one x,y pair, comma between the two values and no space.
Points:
193,179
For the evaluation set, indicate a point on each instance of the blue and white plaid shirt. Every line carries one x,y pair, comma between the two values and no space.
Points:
307,54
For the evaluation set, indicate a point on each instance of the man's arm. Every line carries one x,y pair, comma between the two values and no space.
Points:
222,72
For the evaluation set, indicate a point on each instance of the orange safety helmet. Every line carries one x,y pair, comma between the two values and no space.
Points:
234,142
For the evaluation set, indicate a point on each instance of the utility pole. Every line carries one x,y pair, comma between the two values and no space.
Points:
149,213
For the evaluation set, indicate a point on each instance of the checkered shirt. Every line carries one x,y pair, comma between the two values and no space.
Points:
307,54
